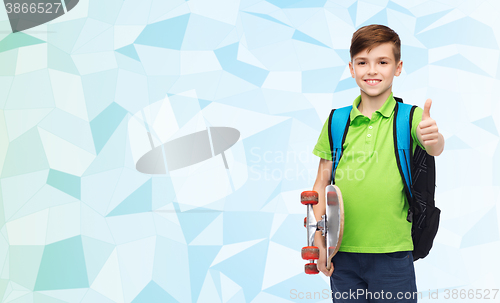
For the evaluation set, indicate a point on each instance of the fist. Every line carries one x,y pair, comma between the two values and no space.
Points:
427,130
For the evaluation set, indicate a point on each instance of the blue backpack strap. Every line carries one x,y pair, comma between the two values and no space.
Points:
339,122
403,114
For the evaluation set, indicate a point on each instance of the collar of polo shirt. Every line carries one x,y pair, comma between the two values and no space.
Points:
386,110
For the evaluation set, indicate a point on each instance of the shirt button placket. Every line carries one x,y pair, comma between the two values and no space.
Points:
369,140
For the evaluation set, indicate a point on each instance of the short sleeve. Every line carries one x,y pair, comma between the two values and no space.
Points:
417,117
322,148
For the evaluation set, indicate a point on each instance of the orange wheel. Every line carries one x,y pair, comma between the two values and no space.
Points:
305,221
310,253
311,269
309,197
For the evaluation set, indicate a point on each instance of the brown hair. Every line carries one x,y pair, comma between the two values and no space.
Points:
370,36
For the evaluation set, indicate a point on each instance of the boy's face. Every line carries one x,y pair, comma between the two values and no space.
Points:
374,71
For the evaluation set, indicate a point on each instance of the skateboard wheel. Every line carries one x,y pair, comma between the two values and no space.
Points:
305,221
309,197
310,253
311,269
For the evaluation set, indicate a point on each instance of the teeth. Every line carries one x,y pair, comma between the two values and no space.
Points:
372,81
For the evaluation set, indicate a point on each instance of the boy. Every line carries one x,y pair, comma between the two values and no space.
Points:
374,262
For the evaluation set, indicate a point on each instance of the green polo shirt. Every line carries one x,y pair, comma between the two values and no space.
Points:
375,206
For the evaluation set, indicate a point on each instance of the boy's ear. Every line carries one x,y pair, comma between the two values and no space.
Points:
399,68
351,69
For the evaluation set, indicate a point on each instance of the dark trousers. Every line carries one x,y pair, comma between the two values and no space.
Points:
374,277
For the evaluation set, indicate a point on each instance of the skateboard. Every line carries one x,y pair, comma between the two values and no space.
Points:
331,226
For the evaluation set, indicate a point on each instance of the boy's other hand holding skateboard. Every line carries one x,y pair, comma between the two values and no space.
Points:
321,264
428,134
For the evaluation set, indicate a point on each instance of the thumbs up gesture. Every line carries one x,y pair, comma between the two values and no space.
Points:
427,132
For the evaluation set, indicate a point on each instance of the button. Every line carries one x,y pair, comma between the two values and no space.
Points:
370,127
369,135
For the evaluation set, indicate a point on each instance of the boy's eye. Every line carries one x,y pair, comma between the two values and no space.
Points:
383,62
361,63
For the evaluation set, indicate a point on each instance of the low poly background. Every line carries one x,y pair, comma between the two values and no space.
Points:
79,95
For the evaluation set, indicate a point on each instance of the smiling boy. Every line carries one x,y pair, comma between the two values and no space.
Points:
375,257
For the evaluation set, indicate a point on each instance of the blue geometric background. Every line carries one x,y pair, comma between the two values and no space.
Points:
79,94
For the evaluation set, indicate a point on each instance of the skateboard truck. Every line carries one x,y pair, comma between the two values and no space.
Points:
321,225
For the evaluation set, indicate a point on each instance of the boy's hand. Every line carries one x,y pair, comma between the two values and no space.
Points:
321,263
427,127
428,134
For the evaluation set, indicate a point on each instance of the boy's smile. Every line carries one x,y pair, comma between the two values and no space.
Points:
372,81
374,72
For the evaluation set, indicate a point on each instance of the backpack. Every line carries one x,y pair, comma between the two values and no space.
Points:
417,170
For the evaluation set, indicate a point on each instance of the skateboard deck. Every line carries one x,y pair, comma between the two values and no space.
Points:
334,222
331,225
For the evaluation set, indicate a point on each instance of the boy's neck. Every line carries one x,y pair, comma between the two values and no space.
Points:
368,105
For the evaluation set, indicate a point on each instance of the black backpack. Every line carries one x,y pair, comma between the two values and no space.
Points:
417,170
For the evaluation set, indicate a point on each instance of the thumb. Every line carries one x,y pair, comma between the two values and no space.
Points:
427,109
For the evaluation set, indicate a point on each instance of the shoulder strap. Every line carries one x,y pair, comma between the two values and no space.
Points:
403,116
339,125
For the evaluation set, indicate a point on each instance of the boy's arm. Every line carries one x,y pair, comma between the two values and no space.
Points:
322,180
428,134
